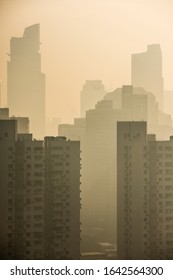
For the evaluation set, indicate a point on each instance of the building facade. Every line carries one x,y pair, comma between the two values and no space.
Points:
62,198
40,196
8,136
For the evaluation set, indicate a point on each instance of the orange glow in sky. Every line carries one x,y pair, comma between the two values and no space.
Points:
87,39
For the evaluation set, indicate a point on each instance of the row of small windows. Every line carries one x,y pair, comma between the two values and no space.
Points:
166,148
59,148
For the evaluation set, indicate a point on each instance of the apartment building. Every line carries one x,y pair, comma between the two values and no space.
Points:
39,196
144,193
62,198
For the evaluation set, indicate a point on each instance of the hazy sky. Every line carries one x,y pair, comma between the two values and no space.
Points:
87,39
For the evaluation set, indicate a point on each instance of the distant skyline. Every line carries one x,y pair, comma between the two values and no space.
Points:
86,40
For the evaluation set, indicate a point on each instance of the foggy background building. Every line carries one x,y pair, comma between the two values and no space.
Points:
52,126
92,92
26,82
135,103
146,72
168,101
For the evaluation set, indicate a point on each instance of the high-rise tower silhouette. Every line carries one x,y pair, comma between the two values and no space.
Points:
92,92
146,71
26,82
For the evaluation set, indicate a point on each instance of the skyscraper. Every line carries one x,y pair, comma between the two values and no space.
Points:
26,82
146,71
